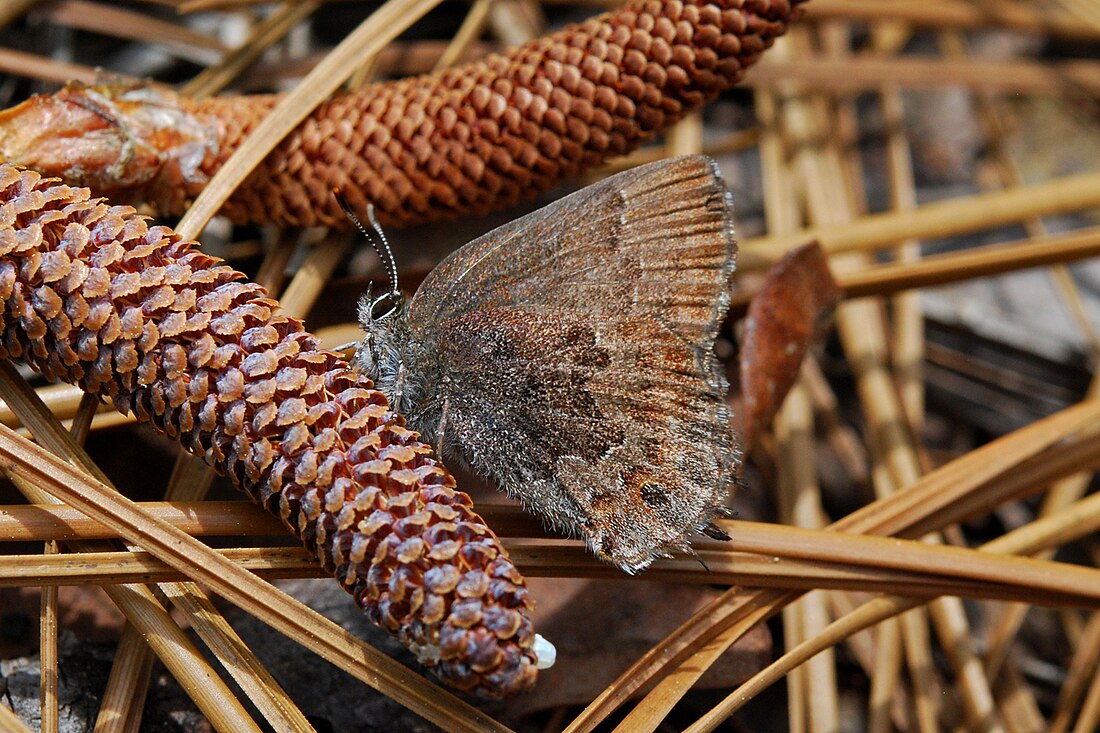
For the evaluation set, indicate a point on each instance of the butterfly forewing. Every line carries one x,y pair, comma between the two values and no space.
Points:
575,350
655,241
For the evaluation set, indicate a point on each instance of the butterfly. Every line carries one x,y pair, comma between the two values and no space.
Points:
568,357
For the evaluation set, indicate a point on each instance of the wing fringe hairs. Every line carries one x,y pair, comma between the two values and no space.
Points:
95,296
442,146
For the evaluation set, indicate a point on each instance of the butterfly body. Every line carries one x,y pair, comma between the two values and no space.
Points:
568,357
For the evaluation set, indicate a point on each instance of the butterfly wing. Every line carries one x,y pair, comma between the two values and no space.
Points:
655,241
575,350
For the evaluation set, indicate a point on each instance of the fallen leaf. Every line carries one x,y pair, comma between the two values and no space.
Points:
784,319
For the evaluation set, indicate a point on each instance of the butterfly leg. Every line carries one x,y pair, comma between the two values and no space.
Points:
399,389
441,431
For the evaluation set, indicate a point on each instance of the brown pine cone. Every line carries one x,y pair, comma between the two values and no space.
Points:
464,141
97,297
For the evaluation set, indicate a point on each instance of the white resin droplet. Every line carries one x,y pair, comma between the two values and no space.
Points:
545,652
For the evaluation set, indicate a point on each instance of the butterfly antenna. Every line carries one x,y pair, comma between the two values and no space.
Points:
377,239
388,260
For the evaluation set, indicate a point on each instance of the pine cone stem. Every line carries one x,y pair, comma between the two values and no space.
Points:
458,142
97,297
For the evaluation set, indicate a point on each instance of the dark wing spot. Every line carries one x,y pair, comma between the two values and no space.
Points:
654,496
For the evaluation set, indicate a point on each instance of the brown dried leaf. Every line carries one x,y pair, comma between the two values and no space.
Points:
784,319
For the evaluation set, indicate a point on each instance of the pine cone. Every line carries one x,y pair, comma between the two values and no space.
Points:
97,297
456,143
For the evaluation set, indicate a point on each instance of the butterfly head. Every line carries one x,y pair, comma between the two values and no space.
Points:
381,355
390,354
399,361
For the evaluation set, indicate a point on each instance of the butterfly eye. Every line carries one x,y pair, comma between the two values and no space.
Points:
384,306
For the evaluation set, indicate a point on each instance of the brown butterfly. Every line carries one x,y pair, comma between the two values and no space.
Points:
568,357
